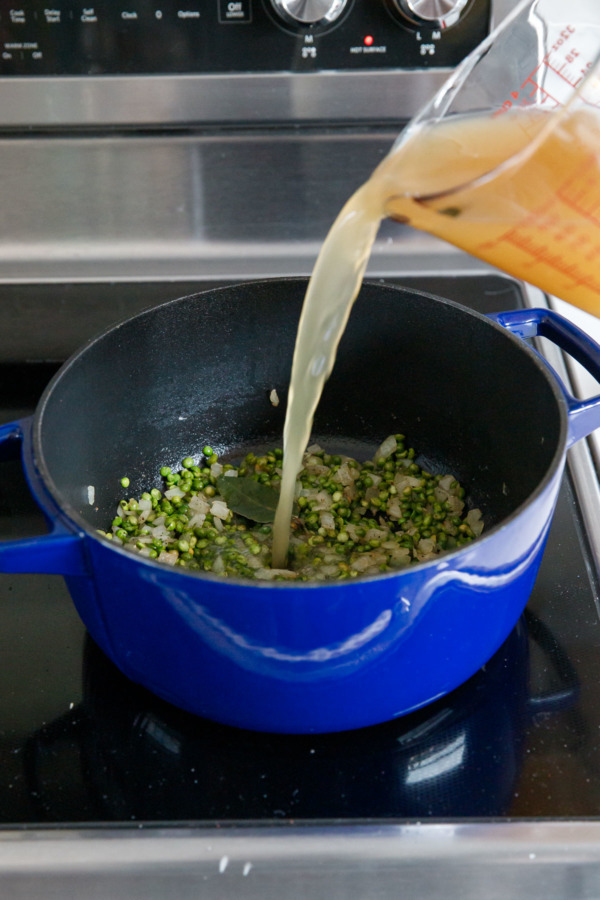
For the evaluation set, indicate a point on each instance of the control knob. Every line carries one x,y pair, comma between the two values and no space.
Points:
309,12
442,13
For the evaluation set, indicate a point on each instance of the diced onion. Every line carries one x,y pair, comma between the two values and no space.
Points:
174,492
389,446
219,509
474,521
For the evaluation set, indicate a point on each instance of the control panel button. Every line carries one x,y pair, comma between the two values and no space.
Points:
52,15
89,14
309,12
235,11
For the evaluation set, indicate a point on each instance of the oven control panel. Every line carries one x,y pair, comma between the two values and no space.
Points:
118,37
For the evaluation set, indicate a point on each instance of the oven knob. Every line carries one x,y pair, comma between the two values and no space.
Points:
441,13
309,12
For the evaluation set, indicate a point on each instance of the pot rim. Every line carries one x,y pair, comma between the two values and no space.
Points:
66,511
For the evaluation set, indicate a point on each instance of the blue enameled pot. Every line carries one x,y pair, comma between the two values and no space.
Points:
468,391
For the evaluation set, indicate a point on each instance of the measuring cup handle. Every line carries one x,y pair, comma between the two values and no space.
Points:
584,415
56,553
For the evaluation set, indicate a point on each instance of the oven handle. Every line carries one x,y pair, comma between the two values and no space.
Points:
60,552
584,415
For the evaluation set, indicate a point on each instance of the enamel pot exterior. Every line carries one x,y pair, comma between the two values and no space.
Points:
285,657
337,657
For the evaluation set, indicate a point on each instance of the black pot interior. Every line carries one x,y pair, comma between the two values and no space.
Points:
200,370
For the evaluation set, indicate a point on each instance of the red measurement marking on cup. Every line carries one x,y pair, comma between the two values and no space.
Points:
566,58
581,193
539,252
564,64
534,90
549,240
530,93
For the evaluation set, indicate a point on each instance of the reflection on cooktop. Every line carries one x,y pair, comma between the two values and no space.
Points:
134,757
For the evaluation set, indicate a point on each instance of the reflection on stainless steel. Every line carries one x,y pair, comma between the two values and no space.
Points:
185,201
553,860
233,205
195,100
173,209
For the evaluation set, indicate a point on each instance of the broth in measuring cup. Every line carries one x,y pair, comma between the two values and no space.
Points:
536,217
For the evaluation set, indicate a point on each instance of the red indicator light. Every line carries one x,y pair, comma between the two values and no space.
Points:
368,40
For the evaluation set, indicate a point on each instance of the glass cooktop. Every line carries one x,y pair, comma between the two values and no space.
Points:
79,743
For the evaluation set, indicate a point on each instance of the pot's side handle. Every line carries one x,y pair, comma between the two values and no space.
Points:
584,415
58,553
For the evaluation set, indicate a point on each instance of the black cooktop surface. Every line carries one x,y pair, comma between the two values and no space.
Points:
79,743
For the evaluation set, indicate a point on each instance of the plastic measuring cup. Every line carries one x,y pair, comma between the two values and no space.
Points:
504,162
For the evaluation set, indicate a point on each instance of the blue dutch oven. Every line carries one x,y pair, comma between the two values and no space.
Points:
467,390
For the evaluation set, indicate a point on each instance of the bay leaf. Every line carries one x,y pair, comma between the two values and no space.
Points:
248,498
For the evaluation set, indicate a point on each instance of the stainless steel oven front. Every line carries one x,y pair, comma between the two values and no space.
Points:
181,140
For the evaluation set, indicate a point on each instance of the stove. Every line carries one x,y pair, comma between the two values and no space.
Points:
149,151
88,756
82,744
